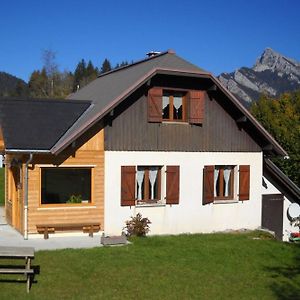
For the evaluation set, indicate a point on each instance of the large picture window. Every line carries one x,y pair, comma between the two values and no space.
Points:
65,185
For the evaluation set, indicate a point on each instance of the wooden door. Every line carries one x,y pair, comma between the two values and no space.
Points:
272,214
15,198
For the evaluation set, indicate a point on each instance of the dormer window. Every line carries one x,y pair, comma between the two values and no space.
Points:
173,106
165,105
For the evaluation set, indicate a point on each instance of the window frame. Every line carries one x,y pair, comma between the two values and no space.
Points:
171,93
232,183
145,202
62,205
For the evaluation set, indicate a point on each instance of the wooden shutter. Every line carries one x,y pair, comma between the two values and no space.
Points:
127,185
172,188
155,105
244,183
196,102
208,184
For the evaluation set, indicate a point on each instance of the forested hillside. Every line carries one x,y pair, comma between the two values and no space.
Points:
12,86
50,81
281,117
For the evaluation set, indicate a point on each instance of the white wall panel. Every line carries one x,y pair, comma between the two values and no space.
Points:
190,216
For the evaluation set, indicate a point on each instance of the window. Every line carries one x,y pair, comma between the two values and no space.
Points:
177,106
148,184
173,106
65,185
223,182
220,183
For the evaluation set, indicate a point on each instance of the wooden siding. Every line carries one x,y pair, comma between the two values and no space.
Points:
129,130
14,206
87,151
90,153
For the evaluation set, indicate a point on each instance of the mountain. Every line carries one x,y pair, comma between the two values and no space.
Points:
272,74
11,86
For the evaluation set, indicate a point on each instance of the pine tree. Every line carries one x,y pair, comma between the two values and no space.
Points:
79,74
106,66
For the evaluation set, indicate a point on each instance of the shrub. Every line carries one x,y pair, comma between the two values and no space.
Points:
137,226
75,199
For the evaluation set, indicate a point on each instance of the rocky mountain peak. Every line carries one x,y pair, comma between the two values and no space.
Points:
272,74
272,60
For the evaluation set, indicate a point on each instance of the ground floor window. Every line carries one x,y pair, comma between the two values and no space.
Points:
144,185
224,182
65,185
148,184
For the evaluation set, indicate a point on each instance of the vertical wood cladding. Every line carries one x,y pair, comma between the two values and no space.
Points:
90,153
129,130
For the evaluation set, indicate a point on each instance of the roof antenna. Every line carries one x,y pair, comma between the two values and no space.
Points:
153,53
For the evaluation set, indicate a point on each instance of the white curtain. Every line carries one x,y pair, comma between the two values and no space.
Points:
177,102
227,172
139,179
152,178
216,174
165,101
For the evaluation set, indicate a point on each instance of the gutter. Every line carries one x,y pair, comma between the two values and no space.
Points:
26,197
26,151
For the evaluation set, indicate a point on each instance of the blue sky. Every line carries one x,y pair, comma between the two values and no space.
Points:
216,35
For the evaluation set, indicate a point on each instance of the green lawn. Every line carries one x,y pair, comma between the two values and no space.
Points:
2,170
216,266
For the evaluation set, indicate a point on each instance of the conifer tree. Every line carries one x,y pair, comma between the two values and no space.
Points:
106,66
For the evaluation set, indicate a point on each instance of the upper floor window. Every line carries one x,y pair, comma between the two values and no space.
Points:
183,106
173,106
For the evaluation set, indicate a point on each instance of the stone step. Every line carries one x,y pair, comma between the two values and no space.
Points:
113,240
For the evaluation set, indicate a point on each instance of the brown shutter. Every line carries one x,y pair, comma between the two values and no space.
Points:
127,185
208,184
244,182
196,102
173,180
155,105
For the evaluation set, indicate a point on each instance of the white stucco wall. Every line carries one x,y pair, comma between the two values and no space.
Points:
190,216
287,227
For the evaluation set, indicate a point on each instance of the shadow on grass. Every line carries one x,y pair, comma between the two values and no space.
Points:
287,278
36,271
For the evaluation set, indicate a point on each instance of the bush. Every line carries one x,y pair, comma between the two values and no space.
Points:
137,226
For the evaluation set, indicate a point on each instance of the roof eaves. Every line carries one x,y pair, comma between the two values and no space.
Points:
62,144
285,181
63,136
264,132
27,151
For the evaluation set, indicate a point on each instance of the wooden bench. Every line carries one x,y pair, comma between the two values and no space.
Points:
26,253
89,228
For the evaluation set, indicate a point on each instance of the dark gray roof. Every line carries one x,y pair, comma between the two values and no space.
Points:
281,181
113,85
108,90
36,123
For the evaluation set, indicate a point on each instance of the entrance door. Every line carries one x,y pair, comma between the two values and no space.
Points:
15,197
272,214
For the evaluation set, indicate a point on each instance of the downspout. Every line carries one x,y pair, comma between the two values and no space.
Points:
26,197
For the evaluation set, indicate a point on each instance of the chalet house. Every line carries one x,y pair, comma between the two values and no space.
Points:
160,136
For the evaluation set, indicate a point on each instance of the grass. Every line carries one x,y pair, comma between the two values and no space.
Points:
2,170
216,266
